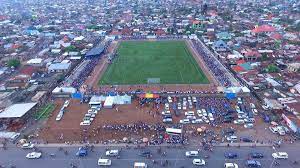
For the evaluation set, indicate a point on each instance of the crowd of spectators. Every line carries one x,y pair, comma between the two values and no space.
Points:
214,66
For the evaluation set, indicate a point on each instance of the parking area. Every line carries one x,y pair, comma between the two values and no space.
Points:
210,119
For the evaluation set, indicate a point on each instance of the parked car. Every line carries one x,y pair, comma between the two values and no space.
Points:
248,125
27,146
189,113
231,138
230,155
104,162
231,165
184,121
252,105
280,155
179,106
197,121
256,155
34,155
253,163
239,121
167,120
191,117
165,112
198,162
191,153
245,139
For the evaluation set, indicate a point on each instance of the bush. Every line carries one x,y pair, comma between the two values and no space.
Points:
14,63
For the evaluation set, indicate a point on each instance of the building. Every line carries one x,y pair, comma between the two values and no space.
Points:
17,111
95,52
294,67
220,45
59,67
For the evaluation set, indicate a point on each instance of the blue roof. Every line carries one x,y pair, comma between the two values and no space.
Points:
96,51
220,43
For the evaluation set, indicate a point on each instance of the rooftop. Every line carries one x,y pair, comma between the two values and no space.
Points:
17,110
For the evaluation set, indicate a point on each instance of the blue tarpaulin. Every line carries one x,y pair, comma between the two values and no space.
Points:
230,95
77,95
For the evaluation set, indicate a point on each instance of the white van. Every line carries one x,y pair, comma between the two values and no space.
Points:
140,165
104,162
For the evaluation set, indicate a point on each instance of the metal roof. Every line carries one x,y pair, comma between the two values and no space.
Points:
95,51
17,110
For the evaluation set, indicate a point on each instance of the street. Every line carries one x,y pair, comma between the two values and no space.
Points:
175,156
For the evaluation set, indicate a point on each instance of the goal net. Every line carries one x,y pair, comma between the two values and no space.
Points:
153,80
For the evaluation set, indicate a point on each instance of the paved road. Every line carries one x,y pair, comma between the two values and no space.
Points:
176,157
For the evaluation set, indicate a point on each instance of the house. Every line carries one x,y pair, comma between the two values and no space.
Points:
294,67
35,61
59,67
263,29
251,55
224,36
220,45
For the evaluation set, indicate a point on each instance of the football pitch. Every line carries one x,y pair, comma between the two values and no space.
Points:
166,62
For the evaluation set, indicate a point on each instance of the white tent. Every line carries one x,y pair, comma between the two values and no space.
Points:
95,100
109,101
126,99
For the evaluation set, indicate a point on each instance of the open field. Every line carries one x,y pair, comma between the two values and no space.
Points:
170,61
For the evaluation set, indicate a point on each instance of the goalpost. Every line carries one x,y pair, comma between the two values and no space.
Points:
153,80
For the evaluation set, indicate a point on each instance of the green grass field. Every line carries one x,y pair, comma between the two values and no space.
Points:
44,111
171,61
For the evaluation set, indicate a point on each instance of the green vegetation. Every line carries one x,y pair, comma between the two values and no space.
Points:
272,68
44,111
171,61
70,48
14,63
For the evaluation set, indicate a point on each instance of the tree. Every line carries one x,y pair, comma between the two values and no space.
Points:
264,57
272,68
14,63
70,48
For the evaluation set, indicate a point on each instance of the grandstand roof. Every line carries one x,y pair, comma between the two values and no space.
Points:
96,51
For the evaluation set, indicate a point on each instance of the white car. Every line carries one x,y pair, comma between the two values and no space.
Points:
231,165
239,121
165,112
184,121
280,155
191,153
199,112
170,99
179,106
231,138
194,99
191,117
255,112
205,119
189,113
27,146
273,130
167,107
33,155
252,105
199,162
66,104
112,153
249,125
197,121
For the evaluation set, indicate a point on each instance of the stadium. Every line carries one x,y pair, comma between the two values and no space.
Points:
155,65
